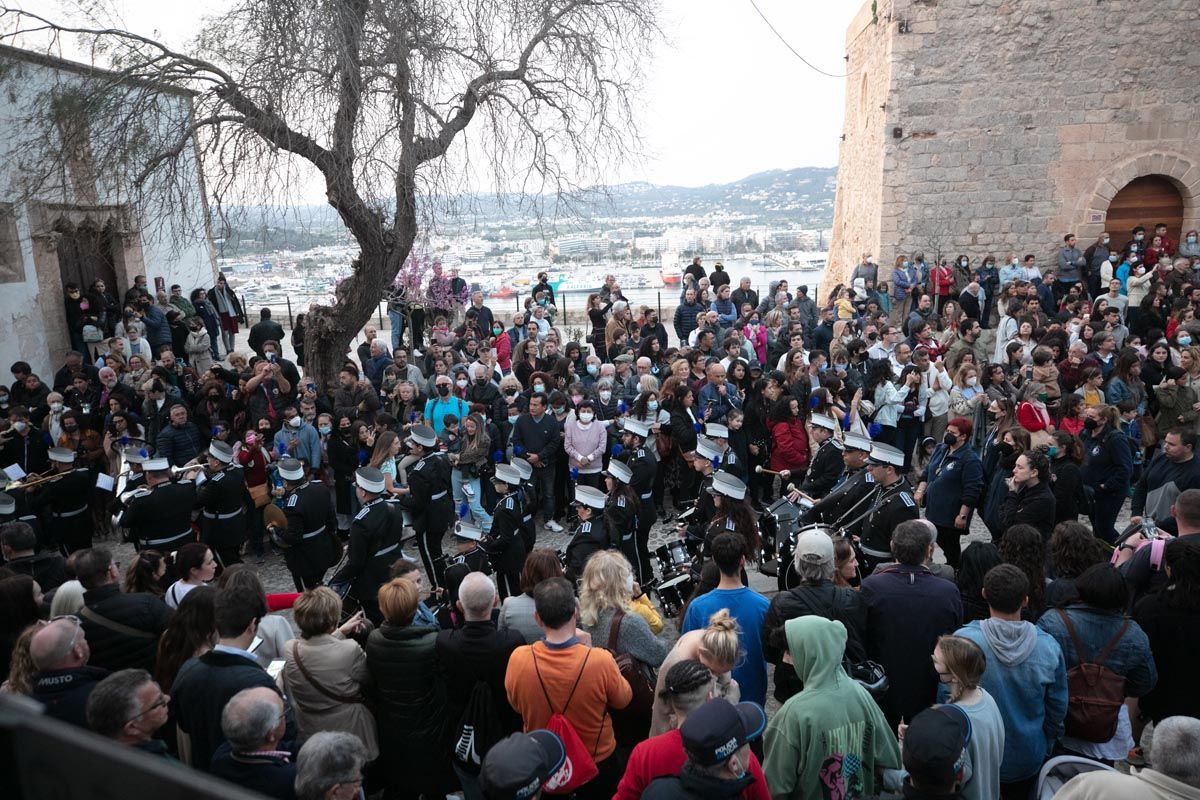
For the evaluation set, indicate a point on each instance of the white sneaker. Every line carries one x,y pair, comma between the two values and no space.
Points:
551,525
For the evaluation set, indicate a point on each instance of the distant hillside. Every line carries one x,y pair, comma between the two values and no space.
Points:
803,196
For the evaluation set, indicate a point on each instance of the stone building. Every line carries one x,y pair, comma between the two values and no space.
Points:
65,218
997,126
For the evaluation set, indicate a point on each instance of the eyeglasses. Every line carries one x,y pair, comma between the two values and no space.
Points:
78,627
162,700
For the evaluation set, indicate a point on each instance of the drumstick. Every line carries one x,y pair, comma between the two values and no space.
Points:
761,471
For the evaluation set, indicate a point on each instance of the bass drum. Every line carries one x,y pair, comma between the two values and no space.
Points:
788,578
674,594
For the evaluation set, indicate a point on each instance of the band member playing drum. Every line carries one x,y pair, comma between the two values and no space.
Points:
309,537
621,512
732,513
703,462
890,504
856,483
223,500
374,540
826,466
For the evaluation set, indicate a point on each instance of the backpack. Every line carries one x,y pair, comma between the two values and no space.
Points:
578,765
1157,546
631,724
477,730
1095,693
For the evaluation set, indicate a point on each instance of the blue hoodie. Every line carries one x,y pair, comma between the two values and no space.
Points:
1027,677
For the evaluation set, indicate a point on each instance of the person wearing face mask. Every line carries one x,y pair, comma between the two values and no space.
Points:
950,487
585,440
298,439
1107,467
482,393
443,403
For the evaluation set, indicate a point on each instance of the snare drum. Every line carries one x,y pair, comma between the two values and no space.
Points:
788,579
673,558
674,594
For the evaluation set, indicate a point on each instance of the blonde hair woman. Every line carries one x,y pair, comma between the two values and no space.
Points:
959,664
606,591
324,672
716,647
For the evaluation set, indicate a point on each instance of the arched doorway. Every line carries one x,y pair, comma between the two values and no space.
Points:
1145,201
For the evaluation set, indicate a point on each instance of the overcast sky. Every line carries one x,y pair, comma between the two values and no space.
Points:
724,99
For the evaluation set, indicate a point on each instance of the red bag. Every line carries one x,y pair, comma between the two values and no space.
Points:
578,767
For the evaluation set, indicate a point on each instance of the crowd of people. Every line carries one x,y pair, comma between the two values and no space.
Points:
441,640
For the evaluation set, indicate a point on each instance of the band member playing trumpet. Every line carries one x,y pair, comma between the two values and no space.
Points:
308,540
505,542
159,514
223,500
66,498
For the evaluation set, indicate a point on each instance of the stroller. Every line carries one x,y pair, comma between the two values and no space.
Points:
1060,769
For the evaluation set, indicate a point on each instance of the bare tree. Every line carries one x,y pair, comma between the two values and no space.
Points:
386,101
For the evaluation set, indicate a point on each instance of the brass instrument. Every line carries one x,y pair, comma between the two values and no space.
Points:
187,468
30,481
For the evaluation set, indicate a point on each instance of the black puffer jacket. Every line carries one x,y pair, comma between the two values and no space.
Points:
114,650
824,600
65,692
410,709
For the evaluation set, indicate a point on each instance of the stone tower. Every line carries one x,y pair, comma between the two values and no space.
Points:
997,126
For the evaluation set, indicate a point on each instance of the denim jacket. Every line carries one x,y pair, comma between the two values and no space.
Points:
1095,627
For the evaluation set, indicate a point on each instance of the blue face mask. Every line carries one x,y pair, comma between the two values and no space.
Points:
512,420
905,264
822,368
1184,341
1053,451
325,430
593,369
652,405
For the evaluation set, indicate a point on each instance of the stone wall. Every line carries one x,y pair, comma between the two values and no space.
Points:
1018,122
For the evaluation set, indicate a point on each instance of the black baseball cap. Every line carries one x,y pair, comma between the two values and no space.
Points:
518,766
934,745
718,729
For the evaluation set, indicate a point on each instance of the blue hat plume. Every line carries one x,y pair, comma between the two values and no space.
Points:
463,510
875,429
574,473
498,456
617,449
518,449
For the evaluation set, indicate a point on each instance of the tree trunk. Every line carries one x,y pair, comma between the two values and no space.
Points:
330,329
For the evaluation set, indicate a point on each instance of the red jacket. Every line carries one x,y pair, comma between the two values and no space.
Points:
1031,419
503,352
941,279
790,446
663,755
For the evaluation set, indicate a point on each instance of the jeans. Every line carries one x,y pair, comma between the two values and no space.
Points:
543,485
398,322
474,500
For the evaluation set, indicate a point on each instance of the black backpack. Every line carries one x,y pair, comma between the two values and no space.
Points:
478,729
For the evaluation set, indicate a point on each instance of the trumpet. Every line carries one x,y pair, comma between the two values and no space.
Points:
187,468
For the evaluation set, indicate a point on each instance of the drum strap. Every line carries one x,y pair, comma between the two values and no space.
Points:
880,496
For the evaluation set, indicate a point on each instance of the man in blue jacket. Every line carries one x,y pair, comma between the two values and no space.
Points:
1026,675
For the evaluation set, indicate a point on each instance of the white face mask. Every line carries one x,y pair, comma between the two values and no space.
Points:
972,381
585,417
295,422
461,383
56,406
605,396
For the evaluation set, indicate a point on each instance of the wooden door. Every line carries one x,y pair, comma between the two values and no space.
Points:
85,253
1145,201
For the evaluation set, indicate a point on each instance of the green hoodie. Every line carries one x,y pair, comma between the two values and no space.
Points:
826,741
